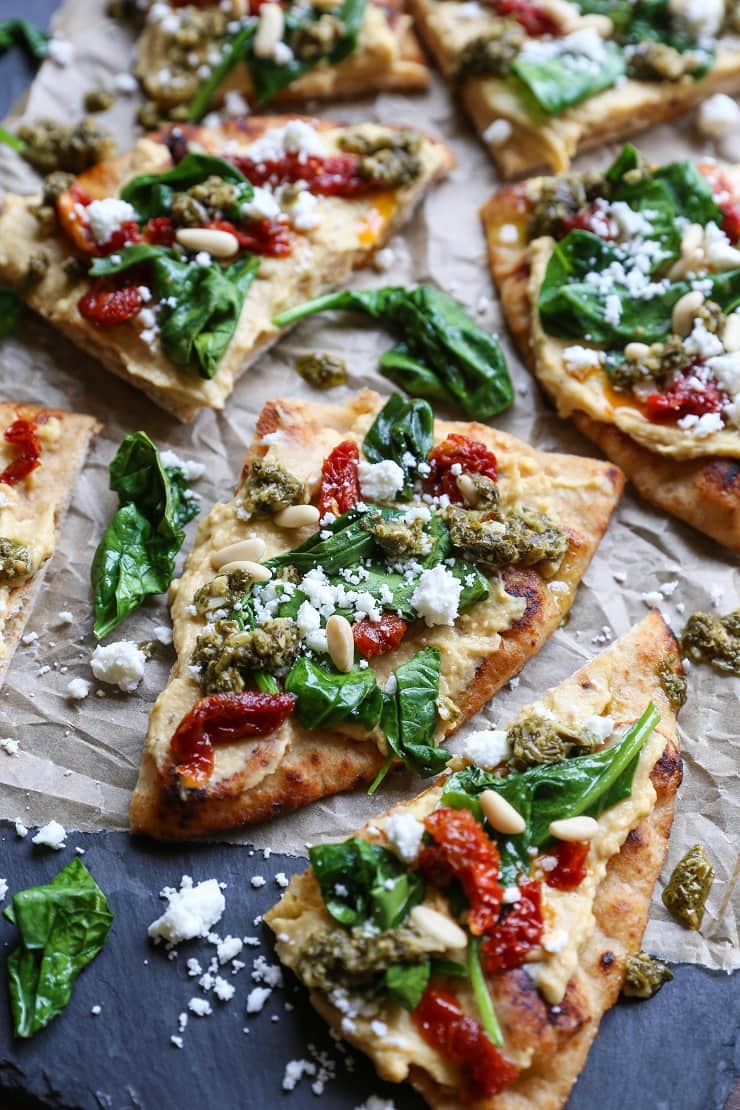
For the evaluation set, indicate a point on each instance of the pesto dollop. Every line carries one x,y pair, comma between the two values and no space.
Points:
715,640
644,976
16,561
688,888
269,487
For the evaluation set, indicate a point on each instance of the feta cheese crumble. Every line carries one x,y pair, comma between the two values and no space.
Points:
10,746
106,217
486,748
78,688
52,835
437,596
192,911
404,834
120,664
380,481
718,115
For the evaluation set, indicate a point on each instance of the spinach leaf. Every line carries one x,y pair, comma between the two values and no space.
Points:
233,52
406,983
449,357
19,32
63,925
560,80
586,784
409,718
347,545
199,305
151,193
13,141
326,696
404,432
483,999
136,556
11,310
363,882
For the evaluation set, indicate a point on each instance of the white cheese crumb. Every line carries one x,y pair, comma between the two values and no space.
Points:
384,259
257,998
228,948
508,233
163,634
718,115
294,1072
191,912
60,51
652,598
223,990
437,596
498,132
65,617
701,426
21,830
487,748
191,469
375,1102
52,835
10,746
404,834
105,217
200,1007
78,688
176,1041
30,637
235,104
597,729
380,481
302,212
577,359
261,206
257,881
282,880
194,967
120,663
96,1010
3,889
125,83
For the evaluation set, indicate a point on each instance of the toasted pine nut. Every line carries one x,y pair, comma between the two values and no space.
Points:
340,642
250,550
297,516
692,239
501,814
684,311
602,24
270,30
219,244
731,333
574,828
256,571
438,926
466,485
636,352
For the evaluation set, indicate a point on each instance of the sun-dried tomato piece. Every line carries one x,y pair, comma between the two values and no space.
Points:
124,236
726,196
463,851
334,175
463,454
105,306
22,435
731,221
160,230
685,397
518,931
531,17
570,870
340,484
379,637
445,1026
594,219
221,718
263,237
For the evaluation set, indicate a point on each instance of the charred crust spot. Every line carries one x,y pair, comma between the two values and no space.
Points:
634,838
315,759
269,419
614,475
572,1013
529,585
668,771
586,684
606,960
723,475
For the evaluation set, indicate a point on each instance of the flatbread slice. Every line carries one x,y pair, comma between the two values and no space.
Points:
480,644
520,134
33,504
549,1006
186,349
689,471
387,56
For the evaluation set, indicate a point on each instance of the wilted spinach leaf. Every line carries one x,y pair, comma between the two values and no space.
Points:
136,556
326,696
19,32
568,77
404,432
362,882
62,925
151,193
406,983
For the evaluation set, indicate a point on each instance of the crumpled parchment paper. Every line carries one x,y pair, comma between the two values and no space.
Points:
78,760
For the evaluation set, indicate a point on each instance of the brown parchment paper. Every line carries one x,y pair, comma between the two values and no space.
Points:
78,760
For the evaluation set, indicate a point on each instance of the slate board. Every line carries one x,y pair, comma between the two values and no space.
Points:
679,1051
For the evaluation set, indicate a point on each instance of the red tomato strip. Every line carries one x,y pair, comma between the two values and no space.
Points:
683,399
570,870
463,851
221,718
334,175
530,16
265,237
340,485
469,455
22,435
518,932
105,306
379,637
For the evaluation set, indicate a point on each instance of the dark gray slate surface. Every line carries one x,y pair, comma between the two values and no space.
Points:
678,1051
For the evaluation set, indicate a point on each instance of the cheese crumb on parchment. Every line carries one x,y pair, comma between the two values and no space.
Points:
120,664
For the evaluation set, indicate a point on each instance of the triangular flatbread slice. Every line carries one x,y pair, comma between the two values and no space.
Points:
387,56
183,318
695,477
531,109
477,640
552,991
42,451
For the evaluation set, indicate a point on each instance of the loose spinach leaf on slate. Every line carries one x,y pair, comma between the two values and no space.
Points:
401,429
151,193
449,357
63,925
326,696
409,717
558,82
19,32
199,305
11,310
406,983
586,784
136,556
363,882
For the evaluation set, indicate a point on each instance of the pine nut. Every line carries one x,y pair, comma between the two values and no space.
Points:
438,926
297,516
574,828
731,333
250,550
270,30
466,485
636,352
684,311
501,814
255,571
219,244
602,24
692,239
340,642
